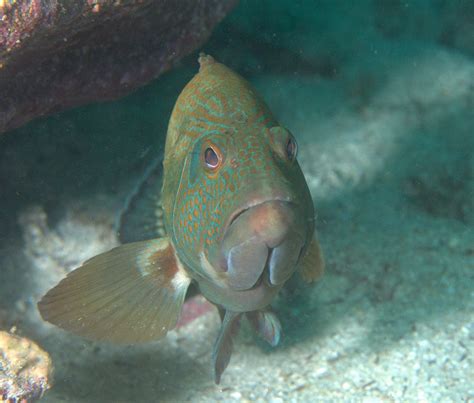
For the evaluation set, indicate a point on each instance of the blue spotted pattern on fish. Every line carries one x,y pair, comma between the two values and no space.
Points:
231,214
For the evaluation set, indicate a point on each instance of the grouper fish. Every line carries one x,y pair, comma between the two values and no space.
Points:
231,214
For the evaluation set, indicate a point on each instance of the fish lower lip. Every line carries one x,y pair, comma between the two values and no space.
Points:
271,278
245,263
265,237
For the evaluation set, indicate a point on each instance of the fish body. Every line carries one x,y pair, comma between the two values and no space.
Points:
232,214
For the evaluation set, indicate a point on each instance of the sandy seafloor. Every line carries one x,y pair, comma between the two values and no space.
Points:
380,97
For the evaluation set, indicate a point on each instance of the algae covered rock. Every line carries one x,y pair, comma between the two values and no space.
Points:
57,54
25,369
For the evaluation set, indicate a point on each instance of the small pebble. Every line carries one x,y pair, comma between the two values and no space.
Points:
236,395
25,369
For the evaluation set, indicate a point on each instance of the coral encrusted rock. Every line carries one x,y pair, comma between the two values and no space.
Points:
57,54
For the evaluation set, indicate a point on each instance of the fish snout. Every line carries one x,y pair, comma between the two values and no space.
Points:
263,243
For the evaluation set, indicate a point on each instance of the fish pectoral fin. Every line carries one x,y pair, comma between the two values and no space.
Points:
312,265
133,293
223,347
266,325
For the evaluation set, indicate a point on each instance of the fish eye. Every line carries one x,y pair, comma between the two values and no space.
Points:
283,143
291,149
211,157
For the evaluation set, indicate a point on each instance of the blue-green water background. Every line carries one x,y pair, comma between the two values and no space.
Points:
380,96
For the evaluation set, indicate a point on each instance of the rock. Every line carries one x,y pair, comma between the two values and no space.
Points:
25,369
58,54
193,308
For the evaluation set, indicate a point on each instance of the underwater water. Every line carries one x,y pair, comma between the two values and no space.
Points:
380,98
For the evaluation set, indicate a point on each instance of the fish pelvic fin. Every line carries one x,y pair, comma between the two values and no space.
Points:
133,293
312,265
266,325
223,347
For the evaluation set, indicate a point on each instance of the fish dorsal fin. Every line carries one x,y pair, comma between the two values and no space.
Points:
312,265
133,293
223,347
142,216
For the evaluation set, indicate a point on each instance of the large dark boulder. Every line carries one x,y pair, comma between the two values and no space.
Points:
57,54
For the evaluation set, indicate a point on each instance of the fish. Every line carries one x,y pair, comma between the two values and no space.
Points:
228,212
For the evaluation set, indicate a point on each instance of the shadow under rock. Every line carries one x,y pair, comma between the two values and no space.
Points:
96,149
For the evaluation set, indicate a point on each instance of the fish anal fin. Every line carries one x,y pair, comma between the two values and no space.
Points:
312,265
133,293
223,347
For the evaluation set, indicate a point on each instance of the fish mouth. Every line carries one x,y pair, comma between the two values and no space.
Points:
263,243
238,212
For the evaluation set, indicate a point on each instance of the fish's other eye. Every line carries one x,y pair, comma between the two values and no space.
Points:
284,143
211,159
291,149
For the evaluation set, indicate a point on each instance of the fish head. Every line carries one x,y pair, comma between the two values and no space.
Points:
246,213
236,202
269,222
